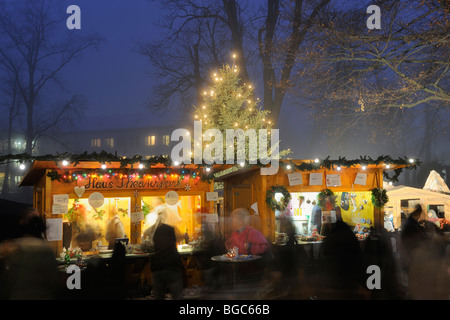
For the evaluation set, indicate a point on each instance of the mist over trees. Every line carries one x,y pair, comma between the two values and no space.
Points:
35,47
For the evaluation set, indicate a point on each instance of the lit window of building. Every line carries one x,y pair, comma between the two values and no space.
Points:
110,142
166,140
96,143
151,140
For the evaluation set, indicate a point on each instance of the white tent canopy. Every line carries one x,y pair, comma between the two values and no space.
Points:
436,183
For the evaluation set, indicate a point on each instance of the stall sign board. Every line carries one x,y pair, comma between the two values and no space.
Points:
62,199
315,179
361,178
60,208
212,196
333,180
295,179
136,217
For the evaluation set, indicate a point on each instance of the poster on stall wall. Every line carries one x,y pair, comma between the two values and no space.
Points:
62,199
361,178
315,179
212,196
60,208
333,180
295,179
136,217
54,229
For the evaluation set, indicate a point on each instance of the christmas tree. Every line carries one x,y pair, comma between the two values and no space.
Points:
228,104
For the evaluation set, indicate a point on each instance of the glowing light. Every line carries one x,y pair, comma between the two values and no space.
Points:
288,167
65,163
208,169
242,164
103,166
411,160
141,166
364,167
338,168
316,160
22,166
388,166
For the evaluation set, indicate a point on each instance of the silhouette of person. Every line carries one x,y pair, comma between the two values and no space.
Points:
114,231
413,234
342,263
27,255
165,263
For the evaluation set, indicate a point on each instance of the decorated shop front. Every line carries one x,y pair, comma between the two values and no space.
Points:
90,204
314,193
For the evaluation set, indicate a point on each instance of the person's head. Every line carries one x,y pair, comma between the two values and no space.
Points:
33,227
240,218
417,212
28,214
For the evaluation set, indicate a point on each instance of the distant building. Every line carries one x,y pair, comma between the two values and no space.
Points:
144,134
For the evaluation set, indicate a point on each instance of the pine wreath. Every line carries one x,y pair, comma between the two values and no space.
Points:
274,204
323,195
379,197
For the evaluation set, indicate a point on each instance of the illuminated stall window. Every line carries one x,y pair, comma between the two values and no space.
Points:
90,225
185,216
355,208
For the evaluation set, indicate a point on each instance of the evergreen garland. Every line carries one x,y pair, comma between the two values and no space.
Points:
104,157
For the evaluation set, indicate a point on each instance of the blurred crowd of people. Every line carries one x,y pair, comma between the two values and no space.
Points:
413,265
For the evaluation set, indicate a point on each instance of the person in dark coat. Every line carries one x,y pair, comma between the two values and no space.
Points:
165,263
413,234
342,265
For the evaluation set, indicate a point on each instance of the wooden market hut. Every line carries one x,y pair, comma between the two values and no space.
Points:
248,188
57,188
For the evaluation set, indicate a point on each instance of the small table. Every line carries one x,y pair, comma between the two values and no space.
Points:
234,262
311,248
